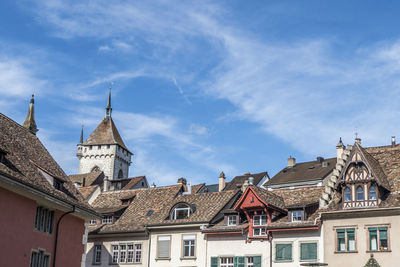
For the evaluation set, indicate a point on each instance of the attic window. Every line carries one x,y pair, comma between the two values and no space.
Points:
57,184
180,211
325,164
311,167
126,200
297,216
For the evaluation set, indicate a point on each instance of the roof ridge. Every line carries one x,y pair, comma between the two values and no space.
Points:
13,121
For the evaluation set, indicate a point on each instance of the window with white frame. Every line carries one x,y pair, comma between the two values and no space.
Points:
189,246
44,220
97,254
107,219
250,262
232,220
259,220
259,231
122,253
92,222
181,211
138,253
226,262
130,253
39,259
115,253
297,216
163,247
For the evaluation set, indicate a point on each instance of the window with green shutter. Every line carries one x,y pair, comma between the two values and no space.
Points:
256,261
378,238
283,252
308,251
214,261
345,240
238,261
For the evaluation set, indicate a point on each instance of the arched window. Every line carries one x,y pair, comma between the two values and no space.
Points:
360,193
120,174
347,195
95,169
180,211
372,193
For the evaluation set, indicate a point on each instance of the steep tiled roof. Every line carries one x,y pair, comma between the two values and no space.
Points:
302,196
303,171
238,181
86,179
133,181
27,157
106,133
87,191
269,197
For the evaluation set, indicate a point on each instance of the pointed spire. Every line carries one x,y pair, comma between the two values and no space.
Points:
30,123
81,139
108,108
340,144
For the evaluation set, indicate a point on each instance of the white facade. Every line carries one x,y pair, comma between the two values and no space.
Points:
113,160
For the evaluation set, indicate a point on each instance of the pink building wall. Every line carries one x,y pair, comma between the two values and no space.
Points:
18,235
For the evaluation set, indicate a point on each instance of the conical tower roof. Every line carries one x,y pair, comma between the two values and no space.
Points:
29,122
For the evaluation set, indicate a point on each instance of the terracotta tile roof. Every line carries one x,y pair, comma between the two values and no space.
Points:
87,179
87,191
133,181
113,199
106,133
270,197
27,157
225,228
238,181
302,196
196,188
303,171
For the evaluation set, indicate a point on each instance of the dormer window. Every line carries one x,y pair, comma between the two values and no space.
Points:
107,219
57,184
259,220
297,216
347,195
232,220
181,211
360,193
372,193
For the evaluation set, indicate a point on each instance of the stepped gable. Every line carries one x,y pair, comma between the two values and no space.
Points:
303,171
87,179
106,133
27,161
238,181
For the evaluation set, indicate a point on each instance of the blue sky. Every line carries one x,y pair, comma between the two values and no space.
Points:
203,87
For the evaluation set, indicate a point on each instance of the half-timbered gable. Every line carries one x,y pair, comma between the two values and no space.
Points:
362,182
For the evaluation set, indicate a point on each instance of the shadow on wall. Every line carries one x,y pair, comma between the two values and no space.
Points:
93,257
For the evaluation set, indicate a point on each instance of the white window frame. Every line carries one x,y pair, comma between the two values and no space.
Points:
115,253
262,231
261,218
226,262
92,222
138,253
232,220
191,239
181,209
249,263
96,252
107,219
130,254
295,218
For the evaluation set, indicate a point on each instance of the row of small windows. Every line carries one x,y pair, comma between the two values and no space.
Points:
108,147
121,253
39,259
378,239
250,261
44,220
164,247
359,194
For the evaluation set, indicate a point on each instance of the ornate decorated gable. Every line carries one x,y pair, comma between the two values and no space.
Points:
362,180
250,200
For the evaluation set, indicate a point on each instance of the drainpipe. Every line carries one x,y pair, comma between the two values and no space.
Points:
148,233
270,248
57,228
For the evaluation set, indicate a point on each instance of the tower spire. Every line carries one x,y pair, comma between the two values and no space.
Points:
81,139
30,123
108,108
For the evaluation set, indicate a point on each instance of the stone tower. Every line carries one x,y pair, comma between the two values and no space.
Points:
104,149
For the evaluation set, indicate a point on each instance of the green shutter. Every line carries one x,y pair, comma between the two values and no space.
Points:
283,252
350,230
340,230
238,261
214,261
257,261
382,234
308,251
372,228
382,228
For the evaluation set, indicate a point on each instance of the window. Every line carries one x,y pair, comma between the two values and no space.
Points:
259,220
378,238
181,211
297,216
115,254
92,222
108,146
259,231
130,253
308,251
372,193
346,240
44,220
189,246
250,262
138,253
57,184
122,253
95,169
232,220
226,262
97,254
120,174
98,147
90,147
163,247
39,259
107,219
347,195
283,252
360,193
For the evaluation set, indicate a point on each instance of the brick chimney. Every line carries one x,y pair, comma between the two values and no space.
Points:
291,162
221,182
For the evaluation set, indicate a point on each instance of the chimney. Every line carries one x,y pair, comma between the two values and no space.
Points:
182,181
106,184
251,180
221,182
340,149
393,141
153,185
320,160
291,162
245,185
189,189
